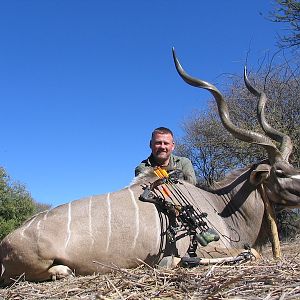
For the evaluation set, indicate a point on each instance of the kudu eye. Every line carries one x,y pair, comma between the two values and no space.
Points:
280,174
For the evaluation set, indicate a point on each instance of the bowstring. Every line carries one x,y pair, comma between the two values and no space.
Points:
209,203
180,196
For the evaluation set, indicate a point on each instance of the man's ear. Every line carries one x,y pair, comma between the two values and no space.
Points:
150,144
260,174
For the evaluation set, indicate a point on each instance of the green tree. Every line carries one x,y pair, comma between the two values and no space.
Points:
16,204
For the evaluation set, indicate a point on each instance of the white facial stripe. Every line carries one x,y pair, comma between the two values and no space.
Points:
296,176
137,221
108,221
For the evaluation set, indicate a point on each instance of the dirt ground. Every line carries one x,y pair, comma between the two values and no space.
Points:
264,279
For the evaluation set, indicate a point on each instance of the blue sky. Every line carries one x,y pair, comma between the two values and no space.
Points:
83,83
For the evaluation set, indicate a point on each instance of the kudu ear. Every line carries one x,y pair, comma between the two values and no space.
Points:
260,174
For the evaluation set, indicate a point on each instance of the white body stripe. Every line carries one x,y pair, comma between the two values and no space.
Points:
158,229
2,269
108,221
69,224
27,226
90,221
46,215
137,217
38,228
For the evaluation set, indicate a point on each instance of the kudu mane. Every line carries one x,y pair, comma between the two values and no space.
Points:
232,179
144,177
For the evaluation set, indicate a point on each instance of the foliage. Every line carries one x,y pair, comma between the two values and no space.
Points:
288,223
16,204
288,11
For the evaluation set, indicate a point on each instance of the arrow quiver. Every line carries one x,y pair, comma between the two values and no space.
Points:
184,219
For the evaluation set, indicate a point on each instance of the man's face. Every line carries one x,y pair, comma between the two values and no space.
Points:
162,146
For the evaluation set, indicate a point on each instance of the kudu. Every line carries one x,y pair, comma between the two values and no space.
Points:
87,236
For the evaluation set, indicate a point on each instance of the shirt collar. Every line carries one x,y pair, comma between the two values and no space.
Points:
172,163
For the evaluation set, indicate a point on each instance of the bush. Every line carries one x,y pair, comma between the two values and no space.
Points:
16,204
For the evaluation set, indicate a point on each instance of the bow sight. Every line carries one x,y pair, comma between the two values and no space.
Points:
166,194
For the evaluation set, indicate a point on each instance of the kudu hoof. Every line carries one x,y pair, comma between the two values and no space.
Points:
59,272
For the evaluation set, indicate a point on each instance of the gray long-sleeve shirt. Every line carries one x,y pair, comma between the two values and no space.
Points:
175,163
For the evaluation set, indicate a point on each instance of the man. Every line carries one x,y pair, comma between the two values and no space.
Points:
162,145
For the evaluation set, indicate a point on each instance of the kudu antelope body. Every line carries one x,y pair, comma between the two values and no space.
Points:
86,236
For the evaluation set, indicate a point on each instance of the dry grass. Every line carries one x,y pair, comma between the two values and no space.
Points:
265,279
